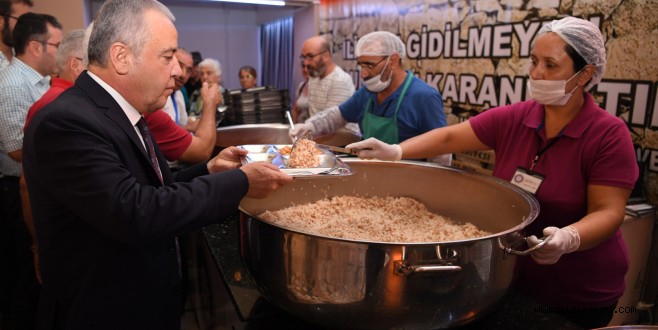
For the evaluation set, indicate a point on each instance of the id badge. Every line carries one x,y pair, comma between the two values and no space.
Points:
527,180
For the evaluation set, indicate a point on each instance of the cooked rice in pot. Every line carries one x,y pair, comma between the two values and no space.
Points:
377,219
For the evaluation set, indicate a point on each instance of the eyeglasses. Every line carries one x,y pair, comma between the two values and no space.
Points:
311,56
44,43
9,16
368,65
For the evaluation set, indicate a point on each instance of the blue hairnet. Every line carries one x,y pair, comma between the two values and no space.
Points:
585,38
380,43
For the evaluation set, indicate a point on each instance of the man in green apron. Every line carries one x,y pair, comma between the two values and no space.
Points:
392,105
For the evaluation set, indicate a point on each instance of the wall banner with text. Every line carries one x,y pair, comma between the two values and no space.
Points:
476,53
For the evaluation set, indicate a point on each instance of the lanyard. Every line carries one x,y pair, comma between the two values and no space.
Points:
173,100
541,151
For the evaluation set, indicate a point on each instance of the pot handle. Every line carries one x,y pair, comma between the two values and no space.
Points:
405,269
509,249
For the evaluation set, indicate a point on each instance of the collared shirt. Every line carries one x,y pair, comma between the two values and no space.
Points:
178,113
4,62
21,86
595,149
133,115
57,87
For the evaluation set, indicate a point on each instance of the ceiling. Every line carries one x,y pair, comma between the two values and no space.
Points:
289,3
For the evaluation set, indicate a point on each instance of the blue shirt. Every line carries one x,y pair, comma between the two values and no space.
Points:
421,109
21,86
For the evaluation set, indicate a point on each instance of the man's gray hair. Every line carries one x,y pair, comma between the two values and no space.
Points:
85,44
71,46
121,21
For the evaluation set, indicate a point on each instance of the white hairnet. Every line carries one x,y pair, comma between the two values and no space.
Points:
380,43
585,38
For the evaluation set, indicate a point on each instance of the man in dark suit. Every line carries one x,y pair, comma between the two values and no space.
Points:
106,207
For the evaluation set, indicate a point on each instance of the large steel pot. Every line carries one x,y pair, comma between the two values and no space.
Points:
373,285
274,134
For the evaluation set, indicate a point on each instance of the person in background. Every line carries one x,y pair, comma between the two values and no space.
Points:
328,85
205,128
107,222
575,157
175,106
36,38
300,107
392,105
10,11
248,77
194,82
211,72
70,64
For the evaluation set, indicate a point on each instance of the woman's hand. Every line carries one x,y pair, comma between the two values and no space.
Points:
564,240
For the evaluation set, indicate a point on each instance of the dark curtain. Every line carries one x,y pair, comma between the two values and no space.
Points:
277,53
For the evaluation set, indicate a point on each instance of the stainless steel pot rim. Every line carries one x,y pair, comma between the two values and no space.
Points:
532,203
240,127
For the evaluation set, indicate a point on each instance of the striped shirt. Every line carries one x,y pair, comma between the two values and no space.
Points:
21,86
329,91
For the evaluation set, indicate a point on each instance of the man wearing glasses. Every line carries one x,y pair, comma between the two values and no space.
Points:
10,11
328,84
36,38
392,105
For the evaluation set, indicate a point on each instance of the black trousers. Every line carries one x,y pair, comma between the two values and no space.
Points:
19,288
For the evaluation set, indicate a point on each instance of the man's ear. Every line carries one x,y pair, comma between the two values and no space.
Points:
36,48
76,65
120,58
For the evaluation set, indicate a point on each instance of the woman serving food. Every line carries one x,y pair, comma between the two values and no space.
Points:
577,159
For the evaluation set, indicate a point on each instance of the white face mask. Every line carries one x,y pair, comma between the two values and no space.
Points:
550,92
375,84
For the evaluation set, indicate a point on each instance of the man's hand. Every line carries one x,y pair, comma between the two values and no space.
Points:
564,240
211,96
264,178
373,148
227,159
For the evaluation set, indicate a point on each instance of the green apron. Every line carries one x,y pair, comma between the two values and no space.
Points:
383,128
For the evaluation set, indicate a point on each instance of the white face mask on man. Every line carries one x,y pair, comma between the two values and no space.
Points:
375,84
550,92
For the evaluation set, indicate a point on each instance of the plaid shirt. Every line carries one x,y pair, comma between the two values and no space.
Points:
4,62
21,86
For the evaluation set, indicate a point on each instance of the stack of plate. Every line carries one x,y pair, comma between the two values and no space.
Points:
256,106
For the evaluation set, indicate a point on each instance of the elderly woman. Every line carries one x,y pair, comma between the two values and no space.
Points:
575,157
211,72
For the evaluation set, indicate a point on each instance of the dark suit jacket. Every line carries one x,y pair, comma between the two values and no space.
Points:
105,224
